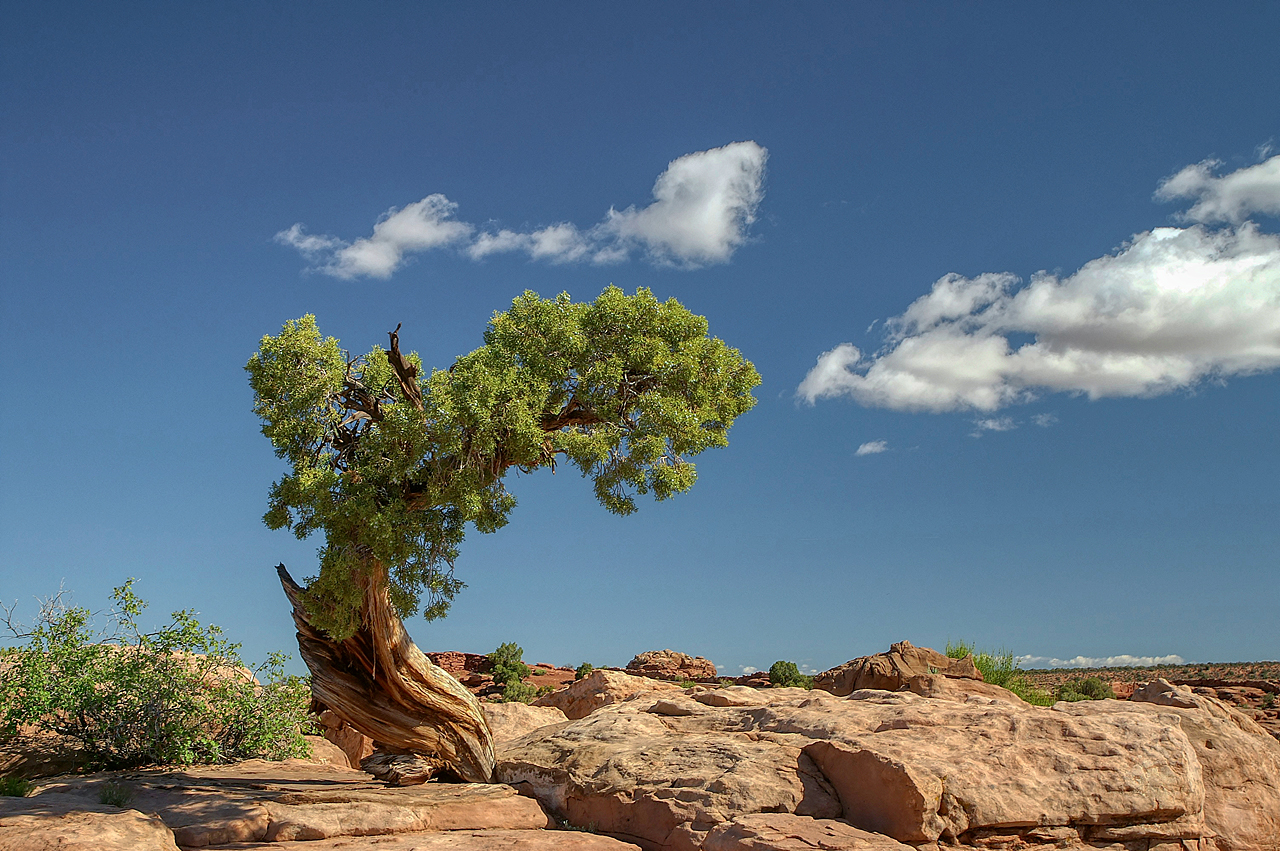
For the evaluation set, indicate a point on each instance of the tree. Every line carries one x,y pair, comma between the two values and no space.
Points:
392,464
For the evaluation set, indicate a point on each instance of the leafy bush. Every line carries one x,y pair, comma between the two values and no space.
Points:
115,794
1000,668
179,695
508,669
1268,700
15,787
1084,688
584,670
784,674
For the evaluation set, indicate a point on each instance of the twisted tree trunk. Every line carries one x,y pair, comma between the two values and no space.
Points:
381,684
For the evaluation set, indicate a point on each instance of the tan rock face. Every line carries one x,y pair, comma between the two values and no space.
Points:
28,825
893,670
600,688
671,665
784,832
462,840
662,770
513,720
352,742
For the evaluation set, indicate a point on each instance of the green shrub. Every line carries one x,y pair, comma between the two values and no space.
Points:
15,787
178,695
1084,688
783,674
509,670
584,670
1000,668
115,794
1268,700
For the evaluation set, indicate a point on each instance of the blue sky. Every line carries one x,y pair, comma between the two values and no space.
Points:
1009,272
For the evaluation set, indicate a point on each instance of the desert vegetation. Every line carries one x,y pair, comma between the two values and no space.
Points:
177,695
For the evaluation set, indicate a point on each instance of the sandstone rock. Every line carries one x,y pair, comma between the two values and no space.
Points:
664,770
457,840
600,688
32,753
784,832
461,663
959,689
891,671
513,720
354,744
671,665
259,801
27,824
1239,759
325,752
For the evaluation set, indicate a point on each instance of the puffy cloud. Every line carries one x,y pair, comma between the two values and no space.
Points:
992,424
1122,661
874,447
703,205
1232,198
1168,309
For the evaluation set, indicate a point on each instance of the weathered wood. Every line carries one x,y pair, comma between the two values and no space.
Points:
380,683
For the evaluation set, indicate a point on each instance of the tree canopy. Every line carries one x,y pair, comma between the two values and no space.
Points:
391,463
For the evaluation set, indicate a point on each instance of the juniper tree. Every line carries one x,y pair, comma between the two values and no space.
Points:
392,465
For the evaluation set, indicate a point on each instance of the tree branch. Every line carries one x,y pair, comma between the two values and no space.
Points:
405,371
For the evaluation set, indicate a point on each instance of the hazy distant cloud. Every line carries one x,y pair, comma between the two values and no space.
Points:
1232,198
1045,420
1122,661
993,424
874,447
1168,309
704,204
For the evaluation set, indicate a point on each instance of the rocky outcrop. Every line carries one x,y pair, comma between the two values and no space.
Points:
784,832
600,688
893,670
256,802
513,720
671,665
356,745
668,771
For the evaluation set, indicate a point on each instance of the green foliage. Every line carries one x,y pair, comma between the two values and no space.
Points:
115,794
509,671
544,690
176,695
15,787
1268,701
393,464
1002,669
583,671
1084,688
783,674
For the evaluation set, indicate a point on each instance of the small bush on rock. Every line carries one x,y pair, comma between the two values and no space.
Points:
509,670
783,674
15,787
1000,668
1084,688
179,695
584,670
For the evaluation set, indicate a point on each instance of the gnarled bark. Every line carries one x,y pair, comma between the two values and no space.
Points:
380,683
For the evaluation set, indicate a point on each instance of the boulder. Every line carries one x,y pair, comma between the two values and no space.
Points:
356,745
667,770
513,720
600,688
459,840
893,670
959,689
258,801
27,824
671,665
785,832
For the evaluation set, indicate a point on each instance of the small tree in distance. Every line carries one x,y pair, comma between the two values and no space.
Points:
392,465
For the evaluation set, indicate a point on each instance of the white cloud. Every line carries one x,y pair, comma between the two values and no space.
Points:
749,669
703,205
993,424
1232,198
1121,661
1045,420
874,447
1168,309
